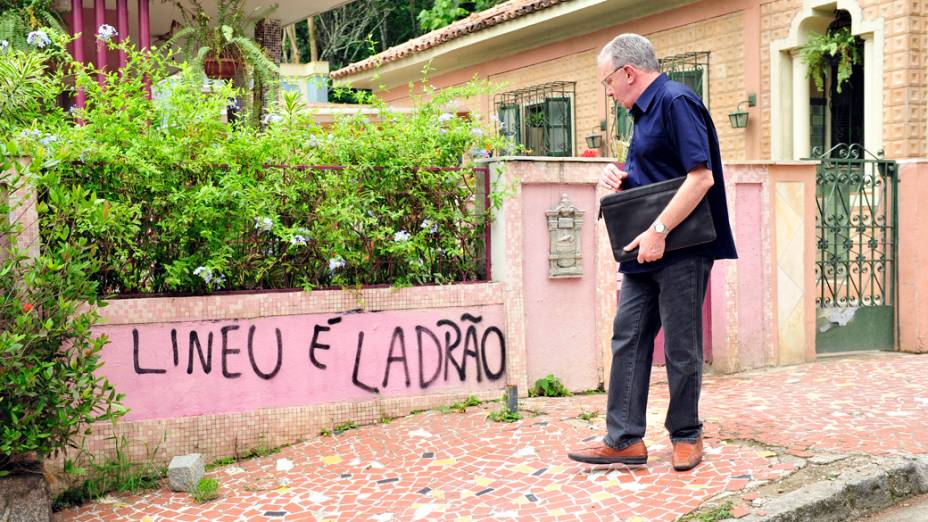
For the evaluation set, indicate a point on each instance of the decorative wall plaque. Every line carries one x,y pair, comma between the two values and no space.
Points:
564,223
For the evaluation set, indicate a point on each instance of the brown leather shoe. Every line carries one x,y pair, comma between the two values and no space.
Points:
636,453
686,455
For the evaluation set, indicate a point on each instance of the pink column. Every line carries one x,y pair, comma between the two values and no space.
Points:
144,25
77,27
99,11
122,21
145,34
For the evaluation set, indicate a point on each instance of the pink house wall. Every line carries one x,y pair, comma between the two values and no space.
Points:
912,302
749,234
179,369
559,313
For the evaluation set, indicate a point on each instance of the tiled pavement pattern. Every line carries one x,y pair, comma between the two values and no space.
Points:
460,467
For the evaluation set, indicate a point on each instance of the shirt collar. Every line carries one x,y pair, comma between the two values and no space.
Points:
644,101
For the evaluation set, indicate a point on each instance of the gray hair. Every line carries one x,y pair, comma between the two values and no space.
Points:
632,49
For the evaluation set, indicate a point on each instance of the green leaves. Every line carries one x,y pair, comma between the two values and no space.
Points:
836,50
48,389
172,199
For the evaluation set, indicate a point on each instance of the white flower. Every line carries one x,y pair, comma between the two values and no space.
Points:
445,117
300,237
402,235
335,263
205,273
106,32
48,139
233,104
313,142
431,227
477,131
264,224
443,131
38,39
271,118
4,45
30,133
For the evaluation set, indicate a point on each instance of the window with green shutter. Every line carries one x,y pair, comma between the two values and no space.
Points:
558,140
538,120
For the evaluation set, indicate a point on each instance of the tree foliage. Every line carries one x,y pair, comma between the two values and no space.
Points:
343,33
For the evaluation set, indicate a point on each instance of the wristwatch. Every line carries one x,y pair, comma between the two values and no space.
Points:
659,227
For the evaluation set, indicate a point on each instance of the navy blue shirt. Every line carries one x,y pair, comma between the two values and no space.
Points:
673,135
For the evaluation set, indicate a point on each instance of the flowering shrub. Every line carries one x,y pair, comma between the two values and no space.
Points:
171,198
49,392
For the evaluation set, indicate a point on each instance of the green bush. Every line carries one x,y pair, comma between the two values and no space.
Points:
184,202
548,386
49,389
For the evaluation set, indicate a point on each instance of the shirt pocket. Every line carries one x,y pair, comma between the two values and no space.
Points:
652,145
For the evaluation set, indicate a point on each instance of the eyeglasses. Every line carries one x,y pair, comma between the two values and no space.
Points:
605,81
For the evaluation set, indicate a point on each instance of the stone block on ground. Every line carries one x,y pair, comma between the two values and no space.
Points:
25,498
185,472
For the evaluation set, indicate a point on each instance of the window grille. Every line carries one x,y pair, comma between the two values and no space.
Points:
540,118
690,69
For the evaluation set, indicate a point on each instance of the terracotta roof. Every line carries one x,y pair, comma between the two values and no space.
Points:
475,22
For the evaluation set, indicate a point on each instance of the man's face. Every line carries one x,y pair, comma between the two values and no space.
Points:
616,83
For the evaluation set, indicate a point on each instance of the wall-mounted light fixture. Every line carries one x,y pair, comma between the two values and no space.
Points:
595,139
739,118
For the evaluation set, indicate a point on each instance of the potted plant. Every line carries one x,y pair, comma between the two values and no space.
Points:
220,44
535,132
834,49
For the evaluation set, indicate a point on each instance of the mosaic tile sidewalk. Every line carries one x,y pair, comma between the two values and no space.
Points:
463,467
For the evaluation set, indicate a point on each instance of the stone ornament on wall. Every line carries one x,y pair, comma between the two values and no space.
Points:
564,224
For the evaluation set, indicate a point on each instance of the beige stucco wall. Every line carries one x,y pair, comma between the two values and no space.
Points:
720,27
723,37
904,56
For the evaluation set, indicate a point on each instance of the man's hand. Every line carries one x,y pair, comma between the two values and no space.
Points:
612,177
650,245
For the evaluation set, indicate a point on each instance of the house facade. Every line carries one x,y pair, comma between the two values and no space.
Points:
732,51
853,201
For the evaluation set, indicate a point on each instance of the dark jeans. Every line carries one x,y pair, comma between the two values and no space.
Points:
672,297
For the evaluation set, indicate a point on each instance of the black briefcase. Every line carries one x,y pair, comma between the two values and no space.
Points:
630,212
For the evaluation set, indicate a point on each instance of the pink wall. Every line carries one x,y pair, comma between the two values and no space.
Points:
749,234
167,370
912,294
559,313
659,358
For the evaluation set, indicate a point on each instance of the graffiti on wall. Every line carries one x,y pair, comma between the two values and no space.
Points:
237,365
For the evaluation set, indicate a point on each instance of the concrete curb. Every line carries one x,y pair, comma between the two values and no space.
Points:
876,485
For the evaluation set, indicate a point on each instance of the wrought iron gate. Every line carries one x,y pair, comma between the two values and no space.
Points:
856,256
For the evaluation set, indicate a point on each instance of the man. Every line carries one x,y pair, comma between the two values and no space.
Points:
673,136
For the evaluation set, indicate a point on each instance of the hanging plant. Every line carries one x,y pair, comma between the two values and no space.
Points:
823,51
